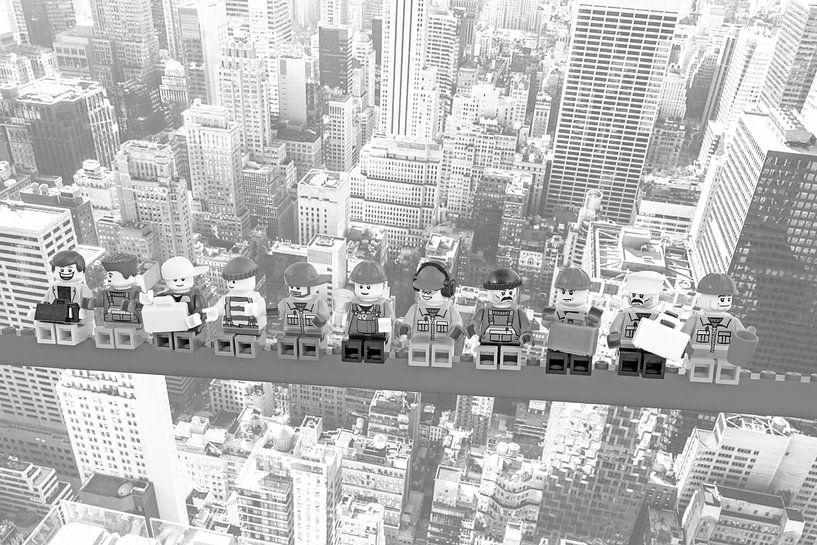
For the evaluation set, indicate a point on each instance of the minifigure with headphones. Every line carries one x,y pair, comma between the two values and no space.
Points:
432,325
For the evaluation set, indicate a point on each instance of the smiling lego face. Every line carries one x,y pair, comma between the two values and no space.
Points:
116,280
432,298
300,292
502,298
179,285
241,286
571,298
717,303
370,292
68,273
642,300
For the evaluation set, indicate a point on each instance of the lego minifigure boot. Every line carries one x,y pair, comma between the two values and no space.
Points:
288,347
653,366
726,373
419,354
701,369
374,350
487,356
629,362
104,338
223,346
581,365
45,333
510,358
352,350
442,353
309,348
163,341
557,363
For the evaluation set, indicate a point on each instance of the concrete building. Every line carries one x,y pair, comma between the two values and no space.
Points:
234,395
441,31
199,29
53,124
453,507
666,204
136,496
515,212
27,489
267,196
395,415
120,425
335,57
656,526
298,83
340,137
67,198
338,407
323,204
304,147
593,149
474,413
720,513
360,522
395,185
174,92
74,49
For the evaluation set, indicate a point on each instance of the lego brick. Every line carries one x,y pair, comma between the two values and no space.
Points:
726,373
163,341
104,338
247,346
223,346
165,314
72,334
581,365
701,369
573,339
419,354
309,348
510,358
187,341
556,362
352,350
662,337
487,356
46,333
128,338
288,347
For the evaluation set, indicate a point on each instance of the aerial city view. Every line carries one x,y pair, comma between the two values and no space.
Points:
408,272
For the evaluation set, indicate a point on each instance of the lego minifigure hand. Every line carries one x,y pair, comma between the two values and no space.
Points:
88,303
194,320
210,314
752,329
614,339
146,298
31,313
526,338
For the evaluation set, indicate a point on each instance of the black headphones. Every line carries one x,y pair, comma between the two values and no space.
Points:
449,284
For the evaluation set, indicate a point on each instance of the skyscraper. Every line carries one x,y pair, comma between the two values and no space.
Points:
200,29
120,424
340,139
298,82
794,61
335,57
323,201
334,12
26,488
757,225
214,148
608,109
474,413
45,18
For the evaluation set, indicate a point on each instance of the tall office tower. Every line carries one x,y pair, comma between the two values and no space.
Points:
323,201
45,18
324,401
541,114
12,12
200,30
174,92
453,507
127,41
488,205
340,138
441,32
267,198
426,107
769,455
510,490
608,109
395,415
334,13
754,227
512,14
244,87
335,57
376,469
794,61
15,69
363,52
298,84
214,148
161,25
130,415
720,514
150,192
360,522
742,86
466,12
236,395
68,198
28,489
53,124
672,100
595,451
395,185
515,211
404,23
474,413
74,49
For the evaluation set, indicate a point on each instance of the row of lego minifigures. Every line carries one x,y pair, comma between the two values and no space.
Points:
715,341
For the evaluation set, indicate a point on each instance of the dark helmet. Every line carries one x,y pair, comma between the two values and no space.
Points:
572,278
717,284
502,279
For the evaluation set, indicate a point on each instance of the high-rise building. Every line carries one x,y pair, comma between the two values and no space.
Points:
74,49
334,12
512,14
174,92
26,488
12,11
474,413
335,57
69,198
323,201
720,513
360,522
10,534
441,32
267,197
200,30
214,149
515,211
794,60
598,460
120,424
150,192
45,18
137,496
608,109
340,138
298,83
395,415
395,185
755,226
244,86
488,205
427,106
53,124
453,507
234,395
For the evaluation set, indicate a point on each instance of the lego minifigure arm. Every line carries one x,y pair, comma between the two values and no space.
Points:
322,314
593,318
475,326
211,314
548,315
133,304
525,333
405,326
456,324
614,336
259,305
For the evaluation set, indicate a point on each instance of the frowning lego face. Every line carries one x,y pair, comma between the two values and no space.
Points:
432,298
643,300
116,280
566,298
502,298
370,292
716,303
68,273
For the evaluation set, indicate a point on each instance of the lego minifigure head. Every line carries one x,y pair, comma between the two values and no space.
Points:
120,271
179,274
643,288
239,273
68,267
715,292
503,288
301,277
369,293
572,288
433,284
370,281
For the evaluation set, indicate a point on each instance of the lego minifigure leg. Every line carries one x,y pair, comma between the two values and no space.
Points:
581,365
374,349
557,363
726,373
104,338
653,366
248,346
352,350
629,361
487,356
45,332
510,358
442,353
309,347
419,353
73,334
223,345
701,369
128,338
288,347
187,341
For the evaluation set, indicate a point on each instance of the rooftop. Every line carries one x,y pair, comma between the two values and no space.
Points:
111,486
55,89
29,219
326,179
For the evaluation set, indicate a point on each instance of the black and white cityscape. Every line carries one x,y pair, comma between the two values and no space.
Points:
295,173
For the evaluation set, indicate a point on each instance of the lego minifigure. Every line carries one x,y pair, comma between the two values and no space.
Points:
573,325
500,327
370,318
305,313
242,310
176,316
434,324
121,310
63,316
719,343
641,291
